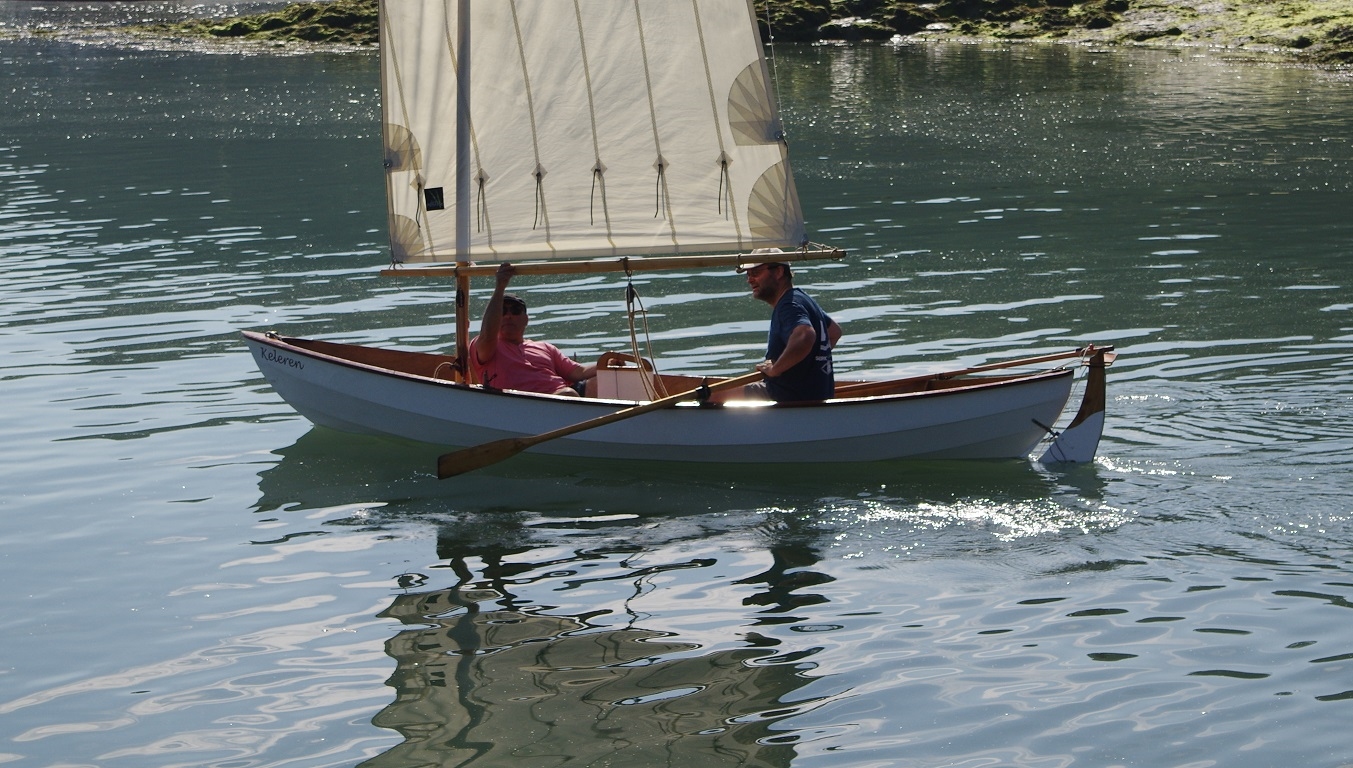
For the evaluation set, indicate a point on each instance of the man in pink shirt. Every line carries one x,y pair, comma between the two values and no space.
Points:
514,361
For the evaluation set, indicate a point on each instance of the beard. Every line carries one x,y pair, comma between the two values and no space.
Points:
766,292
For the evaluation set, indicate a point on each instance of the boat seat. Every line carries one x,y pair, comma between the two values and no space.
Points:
622,376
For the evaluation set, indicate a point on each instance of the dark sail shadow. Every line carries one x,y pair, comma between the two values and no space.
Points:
485,677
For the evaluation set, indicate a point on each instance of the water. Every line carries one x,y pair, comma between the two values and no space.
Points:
195,577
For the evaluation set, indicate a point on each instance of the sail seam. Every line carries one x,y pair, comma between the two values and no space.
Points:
660,164
722,159
542,208
560,81
598,168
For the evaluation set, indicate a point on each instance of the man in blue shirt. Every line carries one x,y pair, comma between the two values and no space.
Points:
798,364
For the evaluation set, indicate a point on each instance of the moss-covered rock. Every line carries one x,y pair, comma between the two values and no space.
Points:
350,22
909,18
1319,31
1334,47
793,20
855,28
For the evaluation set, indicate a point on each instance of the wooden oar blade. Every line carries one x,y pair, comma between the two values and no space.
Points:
480,456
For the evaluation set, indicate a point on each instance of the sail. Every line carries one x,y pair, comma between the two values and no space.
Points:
595,128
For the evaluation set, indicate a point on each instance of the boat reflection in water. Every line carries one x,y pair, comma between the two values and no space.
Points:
328,469
484,680
635,617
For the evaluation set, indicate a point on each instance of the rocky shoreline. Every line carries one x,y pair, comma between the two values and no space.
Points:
1317,32
1314,31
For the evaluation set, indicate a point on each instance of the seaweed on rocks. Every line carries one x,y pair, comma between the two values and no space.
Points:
1314,31
346,22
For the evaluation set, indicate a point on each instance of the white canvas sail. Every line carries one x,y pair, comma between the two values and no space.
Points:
596,128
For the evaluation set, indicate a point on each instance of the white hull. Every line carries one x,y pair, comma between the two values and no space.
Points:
999,417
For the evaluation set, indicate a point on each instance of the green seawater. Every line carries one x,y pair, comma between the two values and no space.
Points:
194,576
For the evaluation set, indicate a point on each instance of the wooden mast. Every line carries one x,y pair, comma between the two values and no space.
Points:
463,161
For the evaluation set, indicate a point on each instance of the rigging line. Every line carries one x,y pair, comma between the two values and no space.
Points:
631,295
659,388
653,386
770,43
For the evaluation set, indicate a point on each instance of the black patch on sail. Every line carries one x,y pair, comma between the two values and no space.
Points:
433,199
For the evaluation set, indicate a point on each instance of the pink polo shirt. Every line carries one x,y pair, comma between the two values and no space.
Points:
532,366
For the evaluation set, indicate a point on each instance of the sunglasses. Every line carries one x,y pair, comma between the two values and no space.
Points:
514,309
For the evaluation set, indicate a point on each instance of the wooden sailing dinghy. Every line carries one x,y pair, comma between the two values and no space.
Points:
592,135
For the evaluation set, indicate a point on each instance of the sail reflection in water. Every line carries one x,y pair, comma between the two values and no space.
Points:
483,680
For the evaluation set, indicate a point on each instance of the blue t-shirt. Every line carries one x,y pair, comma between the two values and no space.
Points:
811,378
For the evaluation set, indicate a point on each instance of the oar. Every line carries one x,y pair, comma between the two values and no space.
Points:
885,387
470,459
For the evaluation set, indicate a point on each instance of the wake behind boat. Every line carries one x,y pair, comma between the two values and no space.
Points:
600,136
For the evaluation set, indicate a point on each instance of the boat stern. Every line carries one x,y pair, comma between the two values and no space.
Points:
1078,443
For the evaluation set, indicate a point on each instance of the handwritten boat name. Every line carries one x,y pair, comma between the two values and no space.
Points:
274,356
